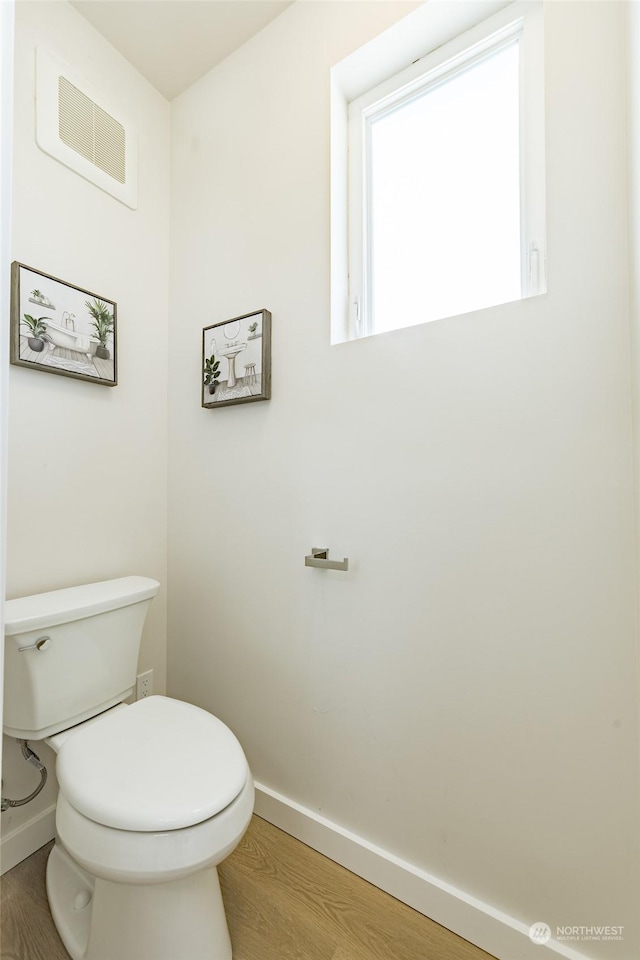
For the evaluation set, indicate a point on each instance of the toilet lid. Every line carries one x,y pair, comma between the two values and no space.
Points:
161,764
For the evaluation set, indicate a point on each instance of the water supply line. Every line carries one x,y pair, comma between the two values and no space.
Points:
34,760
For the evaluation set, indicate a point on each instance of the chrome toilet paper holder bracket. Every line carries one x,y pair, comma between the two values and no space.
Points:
319,557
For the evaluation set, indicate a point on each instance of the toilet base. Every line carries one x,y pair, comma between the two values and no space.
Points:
100,920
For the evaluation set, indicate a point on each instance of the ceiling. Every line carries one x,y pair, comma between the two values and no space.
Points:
175,42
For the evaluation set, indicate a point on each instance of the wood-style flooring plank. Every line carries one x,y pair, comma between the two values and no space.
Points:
27,930
313,893
284,901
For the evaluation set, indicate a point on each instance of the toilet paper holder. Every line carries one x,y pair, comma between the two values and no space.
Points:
319,557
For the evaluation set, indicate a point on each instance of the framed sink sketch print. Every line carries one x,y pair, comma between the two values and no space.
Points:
59,328
236,360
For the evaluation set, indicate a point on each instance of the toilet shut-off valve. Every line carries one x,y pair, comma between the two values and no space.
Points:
35,761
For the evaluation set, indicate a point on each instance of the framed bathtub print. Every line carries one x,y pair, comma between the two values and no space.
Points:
60,328
236,360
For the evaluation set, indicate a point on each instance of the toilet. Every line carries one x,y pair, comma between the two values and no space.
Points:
153,795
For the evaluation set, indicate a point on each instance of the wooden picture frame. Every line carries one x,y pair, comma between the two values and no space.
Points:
59,328
227,380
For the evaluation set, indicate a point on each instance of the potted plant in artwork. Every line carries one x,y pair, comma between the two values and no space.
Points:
38,330
211,373
37,296
253,334
102,323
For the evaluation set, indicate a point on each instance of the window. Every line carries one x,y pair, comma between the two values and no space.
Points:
446,180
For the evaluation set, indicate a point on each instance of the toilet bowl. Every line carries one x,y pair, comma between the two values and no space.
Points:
152,797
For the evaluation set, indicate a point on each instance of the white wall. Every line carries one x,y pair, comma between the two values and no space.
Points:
465,697
633,171
6,139
87,463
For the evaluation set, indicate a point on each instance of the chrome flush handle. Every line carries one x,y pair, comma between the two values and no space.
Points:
40,645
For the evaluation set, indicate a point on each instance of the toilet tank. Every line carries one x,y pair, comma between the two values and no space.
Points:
70,654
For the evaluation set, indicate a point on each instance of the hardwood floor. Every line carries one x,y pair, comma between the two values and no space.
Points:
283,900
26,927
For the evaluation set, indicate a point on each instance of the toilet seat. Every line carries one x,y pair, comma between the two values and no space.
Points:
126,856
159,765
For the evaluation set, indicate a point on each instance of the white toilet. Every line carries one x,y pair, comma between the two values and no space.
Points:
153,795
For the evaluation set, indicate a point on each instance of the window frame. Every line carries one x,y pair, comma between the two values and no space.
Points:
518,23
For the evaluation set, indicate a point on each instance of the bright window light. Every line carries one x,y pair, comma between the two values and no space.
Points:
444,202
438,192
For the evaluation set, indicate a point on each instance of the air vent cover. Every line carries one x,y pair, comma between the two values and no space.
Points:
90,130
80,132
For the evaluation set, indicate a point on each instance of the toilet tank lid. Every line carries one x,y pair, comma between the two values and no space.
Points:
75,603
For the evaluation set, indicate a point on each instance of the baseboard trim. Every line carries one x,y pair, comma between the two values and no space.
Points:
499,934
492,930
27,838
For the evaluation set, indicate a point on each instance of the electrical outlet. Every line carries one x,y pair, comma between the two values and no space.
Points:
144,685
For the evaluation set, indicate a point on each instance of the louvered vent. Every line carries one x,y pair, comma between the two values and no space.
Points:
77,125
90,130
